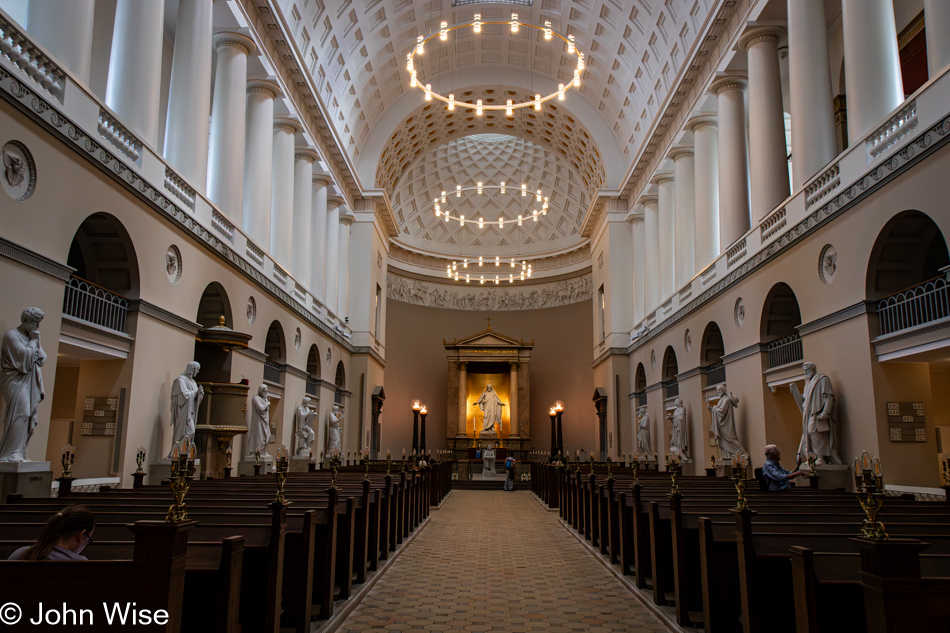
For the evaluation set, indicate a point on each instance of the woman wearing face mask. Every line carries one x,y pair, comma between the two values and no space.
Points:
65,535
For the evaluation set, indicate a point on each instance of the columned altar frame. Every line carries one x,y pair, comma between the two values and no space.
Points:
488,352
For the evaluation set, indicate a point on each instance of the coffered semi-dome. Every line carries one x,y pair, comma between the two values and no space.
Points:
491,159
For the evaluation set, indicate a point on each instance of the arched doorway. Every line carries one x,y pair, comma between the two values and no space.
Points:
313,371
276,350
94,348
640,385
781,317
340,382
904,273
710,355
670,369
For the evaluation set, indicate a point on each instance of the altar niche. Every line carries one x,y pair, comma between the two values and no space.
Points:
474,362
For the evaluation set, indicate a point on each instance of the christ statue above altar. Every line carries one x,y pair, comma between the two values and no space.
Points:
490,405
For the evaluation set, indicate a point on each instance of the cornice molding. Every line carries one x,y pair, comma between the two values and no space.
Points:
34,260
252,353
163,315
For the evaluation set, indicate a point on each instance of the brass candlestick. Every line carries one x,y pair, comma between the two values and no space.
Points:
869,483
139,460
69,454
389,461
257,458
334,465
740,469
183,473
674,466
228,466
280,471
635,465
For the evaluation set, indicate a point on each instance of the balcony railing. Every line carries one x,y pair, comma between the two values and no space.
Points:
915,306
272,371
641,397
786,350
86,301
672,388
311,387
715,373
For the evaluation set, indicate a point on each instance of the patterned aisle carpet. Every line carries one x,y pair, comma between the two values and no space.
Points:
496,561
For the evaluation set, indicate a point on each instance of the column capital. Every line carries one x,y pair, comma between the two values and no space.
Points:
347,218
264,86
730,82
513,365
702,121
337,200
633,217
226,39
761,34
680,152
306,153
662,179
287,125
322,179
648,199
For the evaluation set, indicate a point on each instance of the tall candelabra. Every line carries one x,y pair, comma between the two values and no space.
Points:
139,460
69,454
635,465
740,473
280,471
183,473
674,466
869,484
335,466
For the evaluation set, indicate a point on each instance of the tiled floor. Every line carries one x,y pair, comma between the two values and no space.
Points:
497,561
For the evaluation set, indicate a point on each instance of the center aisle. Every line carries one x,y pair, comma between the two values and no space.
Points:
494,561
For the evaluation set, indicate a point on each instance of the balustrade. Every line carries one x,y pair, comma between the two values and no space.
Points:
88,302
786,350
915,306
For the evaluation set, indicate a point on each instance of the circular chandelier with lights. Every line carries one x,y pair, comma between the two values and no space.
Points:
510,106
452,270
480,188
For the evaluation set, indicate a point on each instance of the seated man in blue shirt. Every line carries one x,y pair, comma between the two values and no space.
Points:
774,474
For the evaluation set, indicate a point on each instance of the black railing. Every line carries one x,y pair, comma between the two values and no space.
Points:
715,373
915,306
786,350
272,371
672,388
311,387
86,301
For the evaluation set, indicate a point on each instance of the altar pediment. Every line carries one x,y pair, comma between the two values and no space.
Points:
488,338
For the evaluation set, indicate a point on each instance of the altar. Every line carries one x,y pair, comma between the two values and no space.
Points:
476,362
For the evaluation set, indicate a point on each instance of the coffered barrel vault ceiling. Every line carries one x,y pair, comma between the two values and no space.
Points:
356,51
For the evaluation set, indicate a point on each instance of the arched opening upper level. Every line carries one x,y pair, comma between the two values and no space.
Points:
781,317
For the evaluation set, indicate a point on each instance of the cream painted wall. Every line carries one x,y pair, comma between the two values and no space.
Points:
417,368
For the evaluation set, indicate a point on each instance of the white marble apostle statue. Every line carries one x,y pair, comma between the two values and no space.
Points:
334,430
818,423
491,407
644,442
488,461
258,429
724,423
678,439
186,396
21,382
303,423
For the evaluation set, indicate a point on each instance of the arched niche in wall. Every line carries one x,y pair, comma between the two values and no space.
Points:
102,253
781,317
213,305
907,273
276,349
313,372
211,352
670,369
640,384
340,382
710,355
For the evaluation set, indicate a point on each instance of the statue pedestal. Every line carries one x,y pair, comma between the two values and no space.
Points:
298,464
487,436
246,465
30,479
831,477
162,471
724,468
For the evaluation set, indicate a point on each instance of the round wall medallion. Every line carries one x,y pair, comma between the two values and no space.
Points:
173,264
740,311
652,358
251,310
828,264
688,341
19,171
297,338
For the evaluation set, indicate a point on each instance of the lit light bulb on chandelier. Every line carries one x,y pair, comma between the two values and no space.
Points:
412,79
481,222
451,101
570,44
478,107
479,187
477,26
508,110
420,46
444,31
547,29
560,92
428,92
514,22
537,102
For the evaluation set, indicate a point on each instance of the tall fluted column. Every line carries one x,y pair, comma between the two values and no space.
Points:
333,253
318,239
768,155
871,64
684,219
258,156
666,232
228,121
706,145
651,253
189,94
343,285
134,86
513,399
635,218
937,18
65,30
303,215
282,192
734,216
813,114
